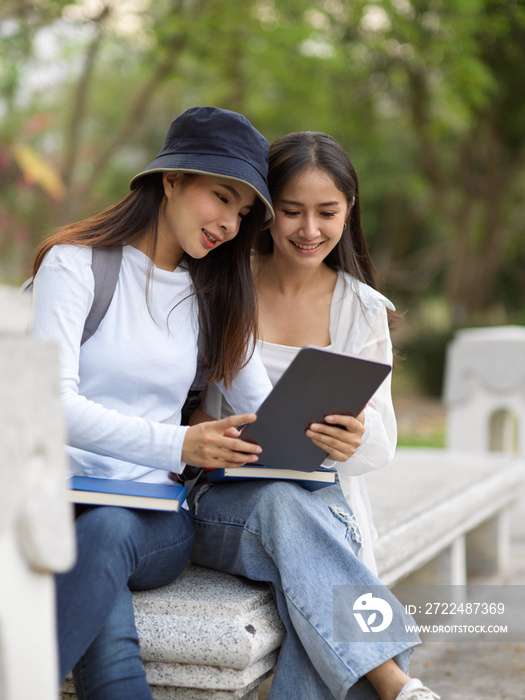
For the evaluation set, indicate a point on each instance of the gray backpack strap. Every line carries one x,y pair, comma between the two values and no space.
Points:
199,382
191,474
106,269
193,400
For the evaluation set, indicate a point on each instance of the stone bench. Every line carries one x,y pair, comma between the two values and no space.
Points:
36,533
443,514
439,515
207,635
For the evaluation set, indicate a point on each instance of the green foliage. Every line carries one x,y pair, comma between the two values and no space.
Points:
435,439
425,355
427,96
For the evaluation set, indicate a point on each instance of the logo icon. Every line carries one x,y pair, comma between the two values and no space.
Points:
367,602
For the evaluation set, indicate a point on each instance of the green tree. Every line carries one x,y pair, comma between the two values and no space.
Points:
457,96
426,96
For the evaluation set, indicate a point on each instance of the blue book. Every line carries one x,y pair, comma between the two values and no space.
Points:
129,494
308,480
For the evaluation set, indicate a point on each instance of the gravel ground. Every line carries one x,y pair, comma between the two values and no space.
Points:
478,670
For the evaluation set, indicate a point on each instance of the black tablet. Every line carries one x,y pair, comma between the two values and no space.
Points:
317,383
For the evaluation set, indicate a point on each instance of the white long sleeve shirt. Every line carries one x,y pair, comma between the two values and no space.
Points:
358,327
123,390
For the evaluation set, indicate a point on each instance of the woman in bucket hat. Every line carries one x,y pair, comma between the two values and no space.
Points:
185,232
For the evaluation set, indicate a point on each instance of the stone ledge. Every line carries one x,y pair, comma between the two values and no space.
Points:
440,495
170,693
208,635
208,618
210,677
15,311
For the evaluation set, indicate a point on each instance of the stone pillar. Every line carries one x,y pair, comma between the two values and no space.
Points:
485,396
36,524
447,569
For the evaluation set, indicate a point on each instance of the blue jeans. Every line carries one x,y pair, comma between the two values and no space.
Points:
118,550
303,544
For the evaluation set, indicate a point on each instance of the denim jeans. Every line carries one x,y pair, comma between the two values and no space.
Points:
303,543
118,550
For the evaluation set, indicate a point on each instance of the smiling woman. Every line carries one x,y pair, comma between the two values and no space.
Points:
310,215
198,213
185,229
316,285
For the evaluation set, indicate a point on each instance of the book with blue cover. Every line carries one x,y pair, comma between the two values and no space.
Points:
308,480
95,491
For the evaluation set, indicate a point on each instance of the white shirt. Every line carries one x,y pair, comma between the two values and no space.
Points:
358,327
123,390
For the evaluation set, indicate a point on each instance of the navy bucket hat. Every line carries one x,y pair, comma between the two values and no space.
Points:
213,141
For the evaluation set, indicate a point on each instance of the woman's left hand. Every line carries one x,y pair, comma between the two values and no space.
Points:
340,436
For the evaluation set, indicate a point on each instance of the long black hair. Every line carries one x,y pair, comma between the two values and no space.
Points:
222,281
292,154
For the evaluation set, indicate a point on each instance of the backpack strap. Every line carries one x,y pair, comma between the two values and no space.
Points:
106,268
191,475
106,264
193,400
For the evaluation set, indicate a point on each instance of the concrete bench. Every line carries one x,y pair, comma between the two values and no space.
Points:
208,635
443,514
36,523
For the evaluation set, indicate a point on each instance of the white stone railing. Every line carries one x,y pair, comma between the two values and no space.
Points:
36,525
485,397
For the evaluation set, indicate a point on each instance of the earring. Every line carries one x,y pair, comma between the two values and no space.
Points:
344,227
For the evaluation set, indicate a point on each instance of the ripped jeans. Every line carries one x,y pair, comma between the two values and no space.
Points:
303,544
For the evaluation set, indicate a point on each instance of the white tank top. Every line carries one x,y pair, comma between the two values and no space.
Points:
276,358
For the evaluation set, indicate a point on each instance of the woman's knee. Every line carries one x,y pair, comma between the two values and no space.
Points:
275,494
106,524
281,502
104,533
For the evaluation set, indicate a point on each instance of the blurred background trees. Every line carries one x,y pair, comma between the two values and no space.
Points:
427,96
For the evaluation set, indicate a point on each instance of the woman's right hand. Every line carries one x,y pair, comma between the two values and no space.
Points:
216,444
